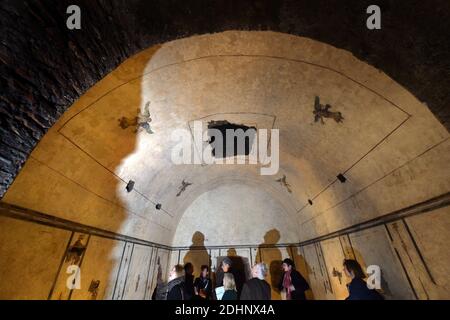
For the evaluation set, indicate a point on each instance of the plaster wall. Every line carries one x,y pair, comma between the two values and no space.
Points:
236,214
412,262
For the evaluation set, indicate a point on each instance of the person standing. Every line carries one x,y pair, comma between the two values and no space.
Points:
357,288
292,282
203,285
189,281
233,265
257,288
225,267
230,287
174,289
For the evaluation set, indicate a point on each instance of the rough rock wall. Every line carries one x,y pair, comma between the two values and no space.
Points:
45,67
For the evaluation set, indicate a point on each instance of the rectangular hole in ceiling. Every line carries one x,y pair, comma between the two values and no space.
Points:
230,148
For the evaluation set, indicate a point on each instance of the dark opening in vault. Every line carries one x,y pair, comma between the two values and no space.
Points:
237,134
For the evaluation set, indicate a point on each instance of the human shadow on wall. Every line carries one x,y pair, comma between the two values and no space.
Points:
198,254
242,263
272,256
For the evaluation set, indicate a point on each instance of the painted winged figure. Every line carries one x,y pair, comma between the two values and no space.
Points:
321,111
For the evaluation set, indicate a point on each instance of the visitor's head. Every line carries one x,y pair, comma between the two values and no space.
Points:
352,269
259,271
228,282
204,271
188,268
176,272
226,264
288,265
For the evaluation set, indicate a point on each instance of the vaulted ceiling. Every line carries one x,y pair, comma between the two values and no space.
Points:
383,144
46,68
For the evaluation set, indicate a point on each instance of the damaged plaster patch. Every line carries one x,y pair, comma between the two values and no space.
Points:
93,289
75,251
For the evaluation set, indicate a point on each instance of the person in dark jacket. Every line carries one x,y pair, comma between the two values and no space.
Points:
225,267
257,288
357,288
175,287
230,287
203,284
235,266
189,281
292,282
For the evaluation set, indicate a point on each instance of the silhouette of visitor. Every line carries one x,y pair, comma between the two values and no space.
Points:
198,254
272,256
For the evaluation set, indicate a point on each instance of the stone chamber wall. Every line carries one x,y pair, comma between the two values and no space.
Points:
412,257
